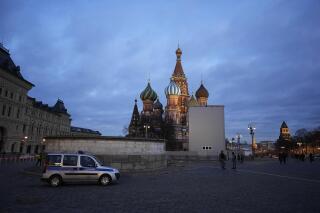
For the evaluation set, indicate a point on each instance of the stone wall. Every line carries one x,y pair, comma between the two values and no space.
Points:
126,154
135,162
176,157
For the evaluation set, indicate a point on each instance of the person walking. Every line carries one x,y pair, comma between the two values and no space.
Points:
280,157
241,158
38,157
222,158
311,157
234,161
284,157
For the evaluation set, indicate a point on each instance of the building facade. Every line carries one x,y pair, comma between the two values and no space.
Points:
24,121
170,122
79,131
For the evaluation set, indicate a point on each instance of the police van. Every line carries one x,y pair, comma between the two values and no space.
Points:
61,167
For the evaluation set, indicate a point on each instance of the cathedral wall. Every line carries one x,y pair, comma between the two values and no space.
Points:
206,130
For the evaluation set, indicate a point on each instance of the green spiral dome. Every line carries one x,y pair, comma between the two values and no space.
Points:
148,94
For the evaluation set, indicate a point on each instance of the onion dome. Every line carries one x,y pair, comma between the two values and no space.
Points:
178,53
157,105
148,94
193,102
172,89
202,92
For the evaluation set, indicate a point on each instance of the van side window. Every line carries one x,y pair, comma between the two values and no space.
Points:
70,160
86,161
54,160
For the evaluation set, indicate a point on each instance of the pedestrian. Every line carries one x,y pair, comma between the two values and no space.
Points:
284,157
38,157
238,157
280,157
222,158
234,161
241,158
311,157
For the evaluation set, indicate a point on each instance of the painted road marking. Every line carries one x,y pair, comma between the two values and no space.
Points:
281,176
259,173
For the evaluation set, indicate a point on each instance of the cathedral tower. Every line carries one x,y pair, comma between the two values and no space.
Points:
173,108
134,126
180,79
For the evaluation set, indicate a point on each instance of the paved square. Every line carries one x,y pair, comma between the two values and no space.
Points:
259,186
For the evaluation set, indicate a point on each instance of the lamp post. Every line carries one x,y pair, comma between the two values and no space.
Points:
238,136
299,144
232,144
251,129
43,145
146,128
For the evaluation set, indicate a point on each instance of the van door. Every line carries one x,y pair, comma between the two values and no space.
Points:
70,168
88,168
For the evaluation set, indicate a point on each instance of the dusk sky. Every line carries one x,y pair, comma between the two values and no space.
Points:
261,59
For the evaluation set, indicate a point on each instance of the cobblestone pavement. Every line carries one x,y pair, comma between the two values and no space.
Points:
259,186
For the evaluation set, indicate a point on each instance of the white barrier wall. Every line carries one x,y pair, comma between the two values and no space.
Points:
206,130
105,145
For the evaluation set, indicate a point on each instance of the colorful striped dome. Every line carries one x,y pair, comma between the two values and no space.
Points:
172,89
148,94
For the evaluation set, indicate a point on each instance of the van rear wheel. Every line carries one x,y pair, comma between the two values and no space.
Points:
104,180
55,180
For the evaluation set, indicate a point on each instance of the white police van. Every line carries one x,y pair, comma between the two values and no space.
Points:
62,167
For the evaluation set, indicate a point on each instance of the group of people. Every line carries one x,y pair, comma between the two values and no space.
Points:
303,157
283,157
234,158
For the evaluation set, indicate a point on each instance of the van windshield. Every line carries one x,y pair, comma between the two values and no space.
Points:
98,160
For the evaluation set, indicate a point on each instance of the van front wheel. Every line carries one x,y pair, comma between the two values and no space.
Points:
104,180
55,180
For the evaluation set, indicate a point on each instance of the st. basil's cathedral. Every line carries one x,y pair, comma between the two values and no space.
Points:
170,123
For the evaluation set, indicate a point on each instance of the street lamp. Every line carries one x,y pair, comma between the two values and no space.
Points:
251,129
299,144
232,143
146,128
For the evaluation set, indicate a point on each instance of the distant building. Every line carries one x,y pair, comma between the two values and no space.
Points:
78,131
24,121
284,141
284,132
265,146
